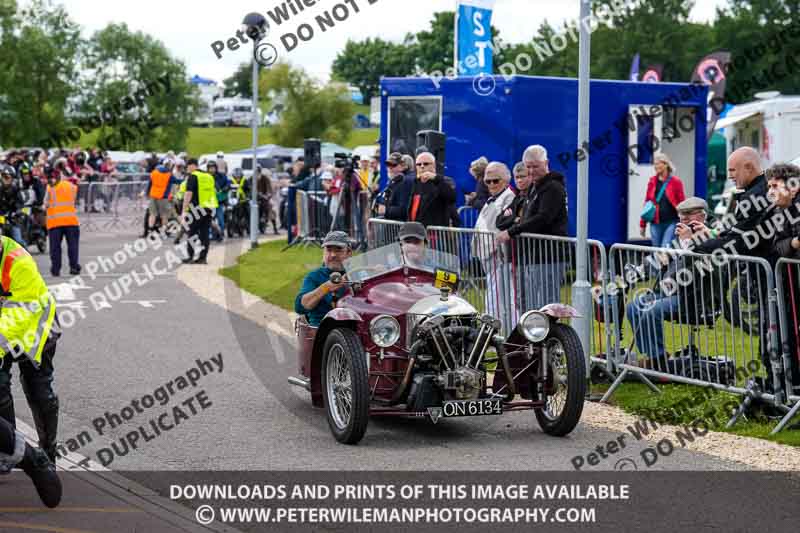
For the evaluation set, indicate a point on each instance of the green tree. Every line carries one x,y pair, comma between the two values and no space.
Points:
310,110
241,82
749,30
134,84
363,63
38,49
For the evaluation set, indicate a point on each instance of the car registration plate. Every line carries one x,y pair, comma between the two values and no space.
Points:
456,408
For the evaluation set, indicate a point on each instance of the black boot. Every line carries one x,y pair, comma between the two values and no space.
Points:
45,418
7,411
43,474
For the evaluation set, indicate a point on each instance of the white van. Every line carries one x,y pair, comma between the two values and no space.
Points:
770,124
233,112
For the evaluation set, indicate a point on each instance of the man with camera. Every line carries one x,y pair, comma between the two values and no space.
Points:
398,192
431,194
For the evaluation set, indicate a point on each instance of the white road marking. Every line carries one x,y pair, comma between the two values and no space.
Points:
144,303
65,291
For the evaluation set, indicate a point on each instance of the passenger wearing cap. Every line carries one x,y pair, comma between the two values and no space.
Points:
413,238
398,192
318,294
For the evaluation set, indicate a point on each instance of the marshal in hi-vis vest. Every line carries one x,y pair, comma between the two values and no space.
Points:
61,205
28,312
206,189
159,181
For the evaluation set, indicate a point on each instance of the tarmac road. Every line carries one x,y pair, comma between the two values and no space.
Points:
246,416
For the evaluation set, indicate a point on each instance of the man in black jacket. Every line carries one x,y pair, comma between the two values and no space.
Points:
431,195
744,167
545,214
742,232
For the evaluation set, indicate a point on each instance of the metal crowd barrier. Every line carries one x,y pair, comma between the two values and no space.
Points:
531,271
707,320
381,232
468,216
787,284
107,205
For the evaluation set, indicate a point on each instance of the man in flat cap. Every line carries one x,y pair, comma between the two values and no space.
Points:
691,226
318,294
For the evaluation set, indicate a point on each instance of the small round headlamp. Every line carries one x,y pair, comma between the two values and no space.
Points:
384,330
534,325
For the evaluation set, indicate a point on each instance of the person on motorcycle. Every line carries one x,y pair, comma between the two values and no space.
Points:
10,201
32,197
240,213
29,182
223,185
264,192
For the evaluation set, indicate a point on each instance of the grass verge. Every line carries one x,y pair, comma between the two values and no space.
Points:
273,275
684,404
210,140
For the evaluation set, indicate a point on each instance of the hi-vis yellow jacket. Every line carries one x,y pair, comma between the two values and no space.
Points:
27,314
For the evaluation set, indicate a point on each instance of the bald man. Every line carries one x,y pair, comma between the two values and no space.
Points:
749,208
431,194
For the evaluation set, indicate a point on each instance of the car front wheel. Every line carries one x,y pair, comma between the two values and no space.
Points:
345,385
567,371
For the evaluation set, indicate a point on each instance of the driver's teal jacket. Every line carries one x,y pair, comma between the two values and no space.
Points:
314,279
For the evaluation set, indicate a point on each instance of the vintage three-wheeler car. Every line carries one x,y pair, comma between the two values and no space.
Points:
403,343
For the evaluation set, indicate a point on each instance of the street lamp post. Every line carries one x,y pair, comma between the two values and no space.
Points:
581,289
255,25
253,184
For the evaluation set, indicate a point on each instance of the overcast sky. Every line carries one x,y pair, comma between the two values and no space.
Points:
188,28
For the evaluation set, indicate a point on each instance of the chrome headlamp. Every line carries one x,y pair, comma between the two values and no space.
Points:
534,325
384,330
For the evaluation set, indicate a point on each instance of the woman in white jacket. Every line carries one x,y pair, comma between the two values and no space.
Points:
499,290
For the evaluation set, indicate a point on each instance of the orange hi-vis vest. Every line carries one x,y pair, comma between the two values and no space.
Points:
61,205
158,183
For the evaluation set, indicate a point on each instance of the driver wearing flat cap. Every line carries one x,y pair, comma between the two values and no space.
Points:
318,294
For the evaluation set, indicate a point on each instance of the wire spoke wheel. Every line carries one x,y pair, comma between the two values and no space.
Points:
339,388
345,385
558,369
567,379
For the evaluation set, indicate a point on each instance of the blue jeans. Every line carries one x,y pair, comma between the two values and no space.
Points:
221,221
662,234
16,234
646,315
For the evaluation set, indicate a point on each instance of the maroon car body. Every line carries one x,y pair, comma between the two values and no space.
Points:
521,378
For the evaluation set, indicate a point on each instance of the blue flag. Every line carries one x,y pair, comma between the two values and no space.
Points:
474,37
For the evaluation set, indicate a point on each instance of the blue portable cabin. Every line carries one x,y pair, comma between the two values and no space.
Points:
526,110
